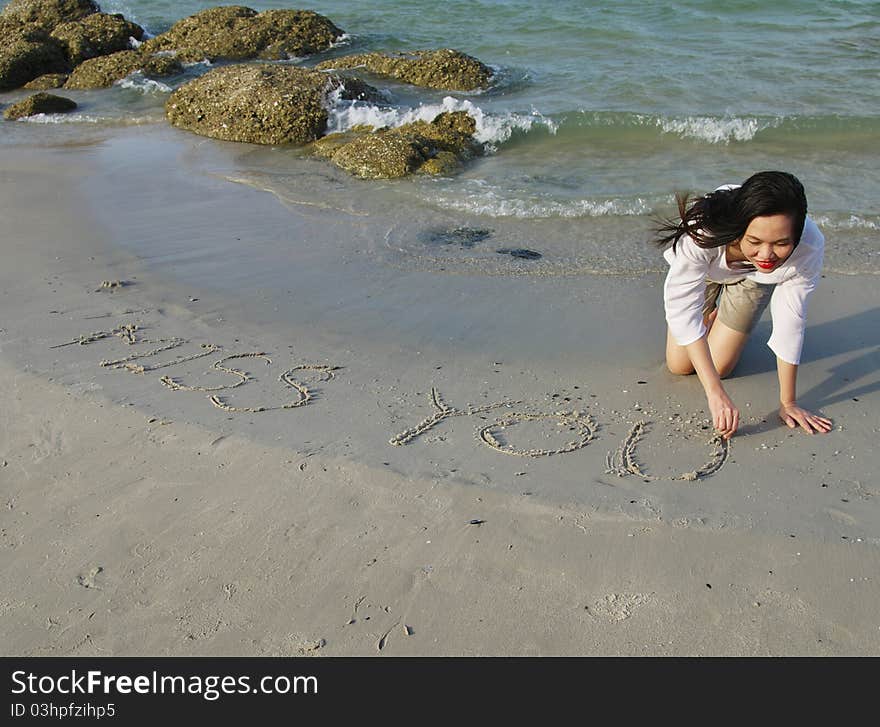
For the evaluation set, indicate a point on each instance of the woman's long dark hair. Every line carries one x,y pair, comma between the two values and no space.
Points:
721,217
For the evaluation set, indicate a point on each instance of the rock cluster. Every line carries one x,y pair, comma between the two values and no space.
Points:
106,70
48,14
96,35
48,44
445,69
239,33
436,147
50,37
27,52
258,103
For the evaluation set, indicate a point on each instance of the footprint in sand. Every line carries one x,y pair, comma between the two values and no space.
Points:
617,607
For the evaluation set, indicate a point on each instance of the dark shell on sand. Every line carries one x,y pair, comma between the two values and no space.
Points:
520,252
104,71
98,34
258,103
240,33
464,237
444,69
39,103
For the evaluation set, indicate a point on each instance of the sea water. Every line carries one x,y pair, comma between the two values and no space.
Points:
599,114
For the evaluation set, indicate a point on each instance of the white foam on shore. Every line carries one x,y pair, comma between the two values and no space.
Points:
138,82
714,130
853,222
481,199
491,129
709,129
90,119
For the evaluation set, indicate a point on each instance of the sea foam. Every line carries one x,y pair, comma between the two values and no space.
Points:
714,130
138,82
847,222
480,198
492,129
90,119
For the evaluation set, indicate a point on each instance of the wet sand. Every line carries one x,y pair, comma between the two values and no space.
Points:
281,436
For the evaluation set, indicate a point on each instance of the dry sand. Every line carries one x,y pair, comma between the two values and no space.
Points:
328,454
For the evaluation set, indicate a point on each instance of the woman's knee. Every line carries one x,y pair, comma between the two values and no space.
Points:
679,367
725,368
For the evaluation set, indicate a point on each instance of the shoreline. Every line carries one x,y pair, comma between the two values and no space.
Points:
605,564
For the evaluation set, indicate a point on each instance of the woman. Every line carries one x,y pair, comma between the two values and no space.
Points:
733,251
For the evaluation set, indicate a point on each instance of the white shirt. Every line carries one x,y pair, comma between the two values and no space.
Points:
690,266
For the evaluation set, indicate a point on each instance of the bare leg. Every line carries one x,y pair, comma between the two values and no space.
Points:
677,360
725,344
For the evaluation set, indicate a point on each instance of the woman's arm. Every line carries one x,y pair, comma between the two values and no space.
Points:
789,411
725,416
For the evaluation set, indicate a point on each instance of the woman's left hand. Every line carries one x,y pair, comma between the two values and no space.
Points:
793,416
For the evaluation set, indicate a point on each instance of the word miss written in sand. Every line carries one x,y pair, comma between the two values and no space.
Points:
622,462
128,333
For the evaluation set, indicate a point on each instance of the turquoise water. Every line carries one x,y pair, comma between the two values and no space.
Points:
602,110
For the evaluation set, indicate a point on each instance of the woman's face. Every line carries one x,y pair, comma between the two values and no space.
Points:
768,241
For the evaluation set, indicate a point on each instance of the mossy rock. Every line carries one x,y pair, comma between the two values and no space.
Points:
444,69
444,163
257,103
48,14
449,131
327,145
104,71
436,147
240,33
387,154
26,52
96,35
47,82
455,122
39,103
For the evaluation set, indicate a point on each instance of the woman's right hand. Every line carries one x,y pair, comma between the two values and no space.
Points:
725,416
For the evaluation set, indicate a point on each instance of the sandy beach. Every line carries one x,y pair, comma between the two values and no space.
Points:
401,456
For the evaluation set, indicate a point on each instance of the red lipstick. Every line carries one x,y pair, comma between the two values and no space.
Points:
769,265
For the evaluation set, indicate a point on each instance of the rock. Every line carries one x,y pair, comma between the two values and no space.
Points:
445,163
384,155
27,52
106,70
259,104
437,147
98,34
48,14
47,82
326,146
39,103
445,69
240,33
